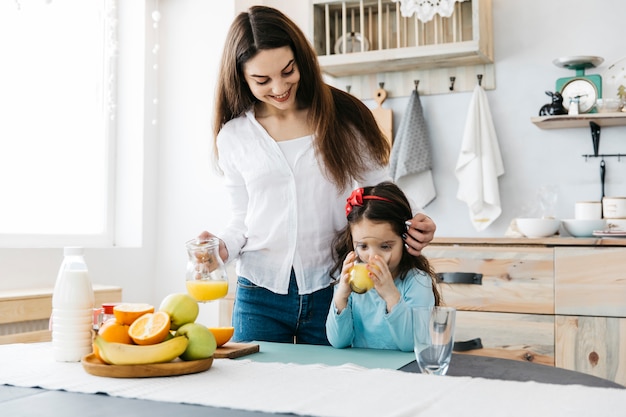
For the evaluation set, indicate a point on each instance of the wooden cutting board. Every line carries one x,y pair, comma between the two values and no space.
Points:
233,350
384,117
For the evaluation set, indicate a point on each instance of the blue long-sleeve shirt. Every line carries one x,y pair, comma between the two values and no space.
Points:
364,323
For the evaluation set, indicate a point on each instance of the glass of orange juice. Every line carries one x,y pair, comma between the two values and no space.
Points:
206,278
360,280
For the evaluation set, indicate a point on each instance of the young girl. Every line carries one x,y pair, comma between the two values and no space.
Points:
379,318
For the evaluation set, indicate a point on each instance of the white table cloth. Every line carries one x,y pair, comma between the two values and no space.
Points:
318,390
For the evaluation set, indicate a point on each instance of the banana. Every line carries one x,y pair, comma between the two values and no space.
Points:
124,354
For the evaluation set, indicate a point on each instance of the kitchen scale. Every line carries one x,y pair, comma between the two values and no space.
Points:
581,88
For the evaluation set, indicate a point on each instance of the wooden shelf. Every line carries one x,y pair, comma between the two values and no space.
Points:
567,121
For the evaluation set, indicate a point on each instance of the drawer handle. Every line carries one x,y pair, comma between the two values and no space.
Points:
468,345
460,278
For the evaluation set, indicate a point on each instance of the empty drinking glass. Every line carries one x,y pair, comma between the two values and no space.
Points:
433,332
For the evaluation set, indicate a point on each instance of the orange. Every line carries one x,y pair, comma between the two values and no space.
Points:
127,313
222,334
112,331
151,328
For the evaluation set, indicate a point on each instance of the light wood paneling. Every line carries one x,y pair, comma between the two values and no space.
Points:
18,306
515,279
590,281
593,345
525,337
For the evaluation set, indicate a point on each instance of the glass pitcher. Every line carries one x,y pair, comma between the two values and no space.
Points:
206,278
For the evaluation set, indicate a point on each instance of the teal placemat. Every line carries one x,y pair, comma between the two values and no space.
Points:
311,354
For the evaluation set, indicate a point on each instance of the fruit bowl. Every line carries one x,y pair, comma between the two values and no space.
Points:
535,228
94,366
583,228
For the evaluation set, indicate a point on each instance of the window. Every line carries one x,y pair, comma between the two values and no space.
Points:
57,110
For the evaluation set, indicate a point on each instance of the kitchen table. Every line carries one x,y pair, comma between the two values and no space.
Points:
293,380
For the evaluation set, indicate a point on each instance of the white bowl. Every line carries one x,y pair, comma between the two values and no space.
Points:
534,228
583,228
608,105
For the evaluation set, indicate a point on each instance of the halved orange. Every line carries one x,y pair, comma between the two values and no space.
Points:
151,328
127,313
222,334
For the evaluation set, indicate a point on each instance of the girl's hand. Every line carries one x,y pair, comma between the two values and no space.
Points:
420,232
340,298
383,281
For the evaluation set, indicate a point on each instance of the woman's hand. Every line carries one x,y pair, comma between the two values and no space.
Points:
420,232
223,251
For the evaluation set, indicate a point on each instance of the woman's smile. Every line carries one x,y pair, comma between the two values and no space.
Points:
282,97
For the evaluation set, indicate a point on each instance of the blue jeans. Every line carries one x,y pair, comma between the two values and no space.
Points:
262,315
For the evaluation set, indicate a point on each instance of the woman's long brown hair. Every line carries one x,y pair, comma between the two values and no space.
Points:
342,123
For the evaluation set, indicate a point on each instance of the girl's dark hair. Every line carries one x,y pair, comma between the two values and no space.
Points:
341,121
396,213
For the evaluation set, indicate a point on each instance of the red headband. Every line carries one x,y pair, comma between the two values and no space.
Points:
357,197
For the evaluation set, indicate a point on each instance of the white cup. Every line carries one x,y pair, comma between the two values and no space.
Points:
614,207
433,334
588,210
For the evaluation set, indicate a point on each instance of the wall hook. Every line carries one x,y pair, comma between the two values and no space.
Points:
416,82
480,79
348,88
381,85
452,80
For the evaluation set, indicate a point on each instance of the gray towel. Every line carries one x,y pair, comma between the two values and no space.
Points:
410,154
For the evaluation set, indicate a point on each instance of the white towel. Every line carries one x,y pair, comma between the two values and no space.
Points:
410,162
480,164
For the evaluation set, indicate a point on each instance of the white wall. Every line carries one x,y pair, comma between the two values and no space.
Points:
183,197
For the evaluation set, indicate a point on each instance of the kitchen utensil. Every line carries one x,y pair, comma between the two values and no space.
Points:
354,42
206,277
232,350
609,105
433,334
583,228
384,117
602,175
614,207
614,81
581,89
588,210
536,228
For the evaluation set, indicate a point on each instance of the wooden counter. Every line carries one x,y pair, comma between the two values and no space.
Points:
524,241
555,301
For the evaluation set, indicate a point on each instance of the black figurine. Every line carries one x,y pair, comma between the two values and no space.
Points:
554,108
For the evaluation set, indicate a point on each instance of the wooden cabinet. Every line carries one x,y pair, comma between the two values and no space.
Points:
512,309
356,37
559,302
590,308
441,56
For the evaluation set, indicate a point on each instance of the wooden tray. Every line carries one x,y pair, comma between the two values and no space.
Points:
94,366
233,350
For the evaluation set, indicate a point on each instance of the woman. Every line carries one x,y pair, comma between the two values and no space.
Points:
290,148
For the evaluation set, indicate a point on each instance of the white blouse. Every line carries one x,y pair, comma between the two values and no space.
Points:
282,216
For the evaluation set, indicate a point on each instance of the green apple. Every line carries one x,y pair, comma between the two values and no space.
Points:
201,344
182,309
